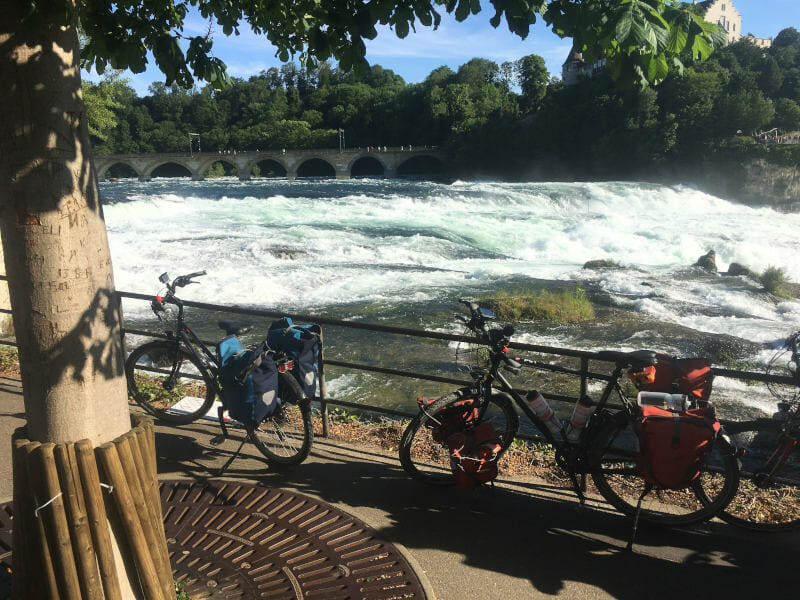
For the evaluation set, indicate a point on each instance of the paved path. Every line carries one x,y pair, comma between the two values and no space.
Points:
518,541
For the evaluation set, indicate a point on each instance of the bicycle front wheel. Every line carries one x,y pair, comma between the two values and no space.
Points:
428,460
168,382
768,498
619,480
285,437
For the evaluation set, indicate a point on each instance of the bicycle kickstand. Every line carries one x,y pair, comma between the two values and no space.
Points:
578,487
220,415
629,547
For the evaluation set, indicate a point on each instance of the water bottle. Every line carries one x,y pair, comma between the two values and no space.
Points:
580,415
671,402
542,410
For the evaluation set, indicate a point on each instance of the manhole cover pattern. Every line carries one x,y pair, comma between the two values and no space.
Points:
233,540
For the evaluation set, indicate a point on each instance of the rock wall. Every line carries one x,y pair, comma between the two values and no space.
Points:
752,181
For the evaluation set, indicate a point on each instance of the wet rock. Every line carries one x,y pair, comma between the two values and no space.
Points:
735,269
707,262
287,253
602,263
726,350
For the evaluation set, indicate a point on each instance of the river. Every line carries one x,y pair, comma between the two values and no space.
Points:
402,252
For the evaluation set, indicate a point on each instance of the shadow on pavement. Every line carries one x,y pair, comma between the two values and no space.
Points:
533,532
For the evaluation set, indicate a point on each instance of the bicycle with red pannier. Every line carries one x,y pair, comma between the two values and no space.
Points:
654,458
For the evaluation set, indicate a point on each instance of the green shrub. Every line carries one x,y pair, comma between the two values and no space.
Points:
558,307
775,282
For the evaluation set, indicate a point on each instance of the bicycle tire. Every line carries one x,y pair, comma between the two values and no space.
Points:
428,461
179,402
286,436
773,506
619,481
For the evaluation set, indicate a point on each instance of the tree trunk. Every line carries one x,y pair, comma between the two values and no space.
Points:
54,239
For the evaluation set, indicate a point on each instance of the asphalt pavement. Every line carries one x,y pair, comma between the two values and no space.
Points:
518,540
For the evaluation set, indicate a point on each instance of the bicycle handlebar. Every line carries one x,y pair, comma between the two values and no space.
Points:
184,280
157,305
497,339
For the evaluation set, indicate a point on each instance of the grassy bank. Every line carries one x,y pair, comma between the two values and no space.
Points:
566,306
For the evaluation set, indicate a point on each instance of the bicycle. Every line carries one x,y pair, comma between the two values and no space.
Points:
605,448
177,380
768,498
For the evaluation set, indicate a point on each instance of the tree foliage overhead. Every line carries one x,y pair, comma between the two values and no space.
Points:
641,40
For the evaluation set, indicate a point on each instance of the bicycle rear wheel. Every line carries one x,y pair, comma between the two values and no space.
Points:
428,460
618,479
168,382
765,503
285,437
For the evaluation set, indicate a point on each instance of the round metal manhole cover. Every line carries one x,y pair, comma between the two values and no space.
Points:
239,541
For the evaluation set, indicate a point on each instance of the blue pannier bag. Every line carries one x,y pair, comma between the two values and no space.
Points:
302,343
249,380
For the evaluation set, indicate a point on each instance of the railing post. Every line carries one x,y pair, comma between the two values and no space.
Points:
584,387
120,318
323,403
584,376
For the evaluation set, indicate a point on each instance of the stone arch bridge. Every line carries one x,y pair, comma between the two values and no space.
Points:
341,163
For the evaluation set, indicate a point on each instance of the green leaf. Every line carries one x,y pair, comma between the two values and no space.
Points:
462,10
701,48
678,39
657,69
623,28
401,29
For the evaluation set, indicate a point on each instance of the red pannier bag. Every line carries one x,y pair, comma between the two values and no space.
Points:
473,455
452,418
690,376
672,445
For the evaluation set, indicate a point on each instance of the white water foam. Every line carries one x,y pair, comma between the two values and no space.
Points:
310,245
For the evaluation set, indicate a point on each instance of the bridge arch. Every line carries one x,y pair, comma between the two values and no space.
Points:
171,168
316,167
228,167
109,169
267,167
367,165
421,164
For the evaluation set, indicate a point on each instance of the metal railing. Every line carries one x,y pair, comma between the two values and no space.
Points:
583,372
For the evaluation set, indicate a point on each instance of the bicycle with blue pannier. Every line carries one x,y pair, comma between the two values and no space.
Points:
266,389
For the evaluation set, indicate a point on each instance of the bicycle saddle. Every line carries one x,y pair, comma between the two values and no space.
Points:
232,328
637,358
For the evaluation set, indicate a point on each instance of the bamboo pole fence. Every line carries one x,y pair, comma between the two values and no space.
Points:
71,500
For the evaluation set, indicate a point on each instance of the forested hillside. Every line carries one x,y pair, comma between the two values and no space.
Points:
510,120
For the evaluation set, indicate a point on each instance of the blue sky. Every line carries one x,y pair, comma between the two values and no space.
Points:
452,44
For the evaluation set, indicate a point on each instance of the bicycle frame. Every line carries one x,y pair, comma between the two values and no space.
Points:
192,343
572,457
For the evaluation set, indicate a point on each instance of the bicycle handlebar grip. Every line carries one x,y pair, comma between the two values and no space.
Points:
195,274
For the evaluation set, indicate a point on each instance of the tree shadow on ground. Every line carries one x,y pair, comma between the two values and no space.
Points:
533,532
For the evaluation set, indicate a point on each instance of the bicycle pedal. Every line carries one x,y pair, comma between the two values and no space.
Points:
217,440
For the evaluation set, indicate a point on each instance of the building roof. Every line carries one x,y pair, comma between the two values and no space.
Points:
574,57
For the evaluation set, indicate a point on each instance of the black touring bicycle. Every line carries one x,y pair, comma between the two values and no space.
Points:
178,379
603,446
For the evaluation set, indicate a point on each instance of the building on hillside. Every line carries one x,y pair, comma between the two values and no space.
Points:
760,42
724,14
575,67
